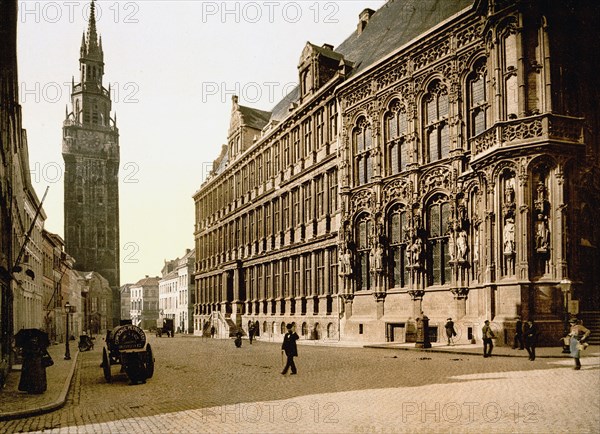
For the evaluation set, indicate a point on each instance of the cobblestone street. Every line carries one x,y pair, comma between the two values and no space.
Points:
203,385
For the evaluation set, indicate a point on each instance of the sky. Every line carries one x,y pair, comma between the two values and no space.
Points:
173,67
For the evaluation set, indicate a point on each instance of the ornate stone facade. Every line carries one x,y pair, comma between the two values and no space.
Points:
91,154
465,158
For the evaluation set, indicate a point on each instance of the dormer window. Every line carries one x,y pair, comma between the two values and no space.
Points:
306,81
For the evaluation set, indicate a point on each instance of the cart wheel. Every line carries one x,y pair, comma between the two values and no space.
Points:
106,365
149,361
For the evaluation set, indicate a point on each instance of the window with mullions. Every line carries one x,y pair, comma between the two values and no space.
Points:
397,221
363,227
477,99
307,132
296,150
396,128
286,151
362,144
438,257
320,128
436,138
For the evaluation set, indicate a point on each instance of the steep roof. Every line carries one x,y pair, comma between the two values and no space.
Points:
393,25
254,118
390,27
147,281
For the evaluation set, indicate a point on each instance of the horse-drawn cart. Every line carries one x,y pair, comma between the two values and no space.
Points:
126,345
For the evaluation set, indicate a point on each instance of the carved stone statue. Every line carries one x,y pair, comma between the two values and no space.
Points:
542,234
346,263
417,251
376,257
451,246
509,237
461,246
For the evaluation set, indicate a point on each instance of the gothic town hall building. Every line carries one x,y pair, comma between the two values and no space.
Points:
444,160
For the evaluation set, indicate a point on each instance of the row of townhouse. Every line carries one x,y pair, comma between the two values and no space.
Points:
37,279
170,296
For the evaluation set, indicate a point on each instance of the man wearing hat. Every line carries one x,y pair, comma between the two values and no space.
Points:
450,332
289,348
578,334
487,335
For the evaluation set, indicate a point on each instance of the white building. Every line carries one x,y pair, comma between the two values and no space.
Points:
176,294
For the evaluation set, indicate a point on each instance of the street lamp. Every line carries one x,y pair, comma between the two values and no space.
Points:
67,313
565,287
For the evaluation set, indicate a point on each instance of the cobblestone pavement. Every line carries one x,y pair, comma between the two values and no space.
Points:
211,386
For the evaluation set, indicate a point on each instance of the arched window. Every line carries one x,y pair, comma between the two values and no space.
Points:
362,143
438,258
436,139
396,128
397,221
363,228
477,99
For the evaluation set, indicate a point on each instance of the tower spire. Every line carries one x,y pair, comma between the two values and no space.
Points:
91,45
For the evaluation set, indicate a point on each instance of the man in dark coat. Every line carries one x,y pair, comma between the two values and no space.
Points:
518,341
289,348
531,335
487,335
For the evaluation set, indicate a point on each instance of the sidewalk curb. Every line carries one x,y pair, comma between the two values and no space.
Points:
60,402
461,352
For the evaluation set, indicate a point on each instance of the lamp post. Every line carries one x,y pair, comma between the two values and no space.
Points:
67,313
565,287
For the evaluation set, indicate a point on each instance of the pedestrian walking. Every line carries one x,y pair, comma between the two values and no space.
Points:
251,333
531,336
488,335
518,341
578,334
290,349
450,332
212,331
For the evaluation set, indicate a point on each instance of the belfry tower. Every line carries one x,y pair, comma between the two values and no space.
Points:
91,153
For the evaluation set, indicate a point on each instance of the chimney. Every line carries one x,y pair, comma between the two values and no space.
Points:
328,46
363,19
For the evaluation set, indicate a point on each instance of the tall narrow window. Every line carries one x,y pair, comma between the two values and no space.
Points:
396,129
320,272
397,254
320,128
307,132
362,143
276,163
478,105
320,200
362,249
332,183
285,285
308,288
296,207
332,121
508,38
308,210
286,150
438,267
435,123
296,149
333,271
